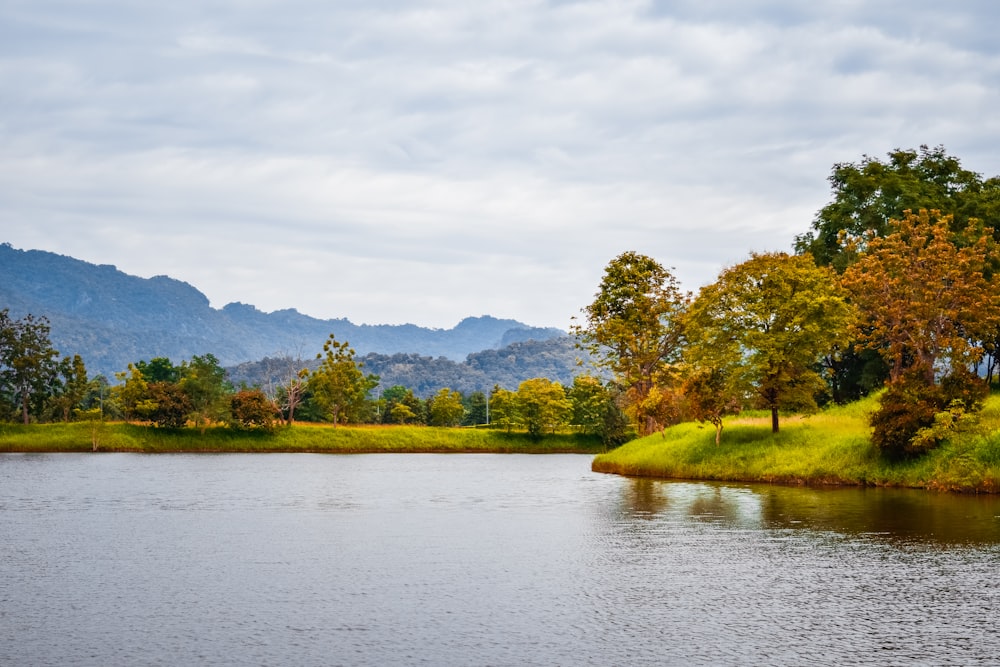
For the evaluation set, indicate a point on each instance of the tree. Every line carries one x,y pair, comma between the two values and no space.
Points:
74,387
204,382
925,302
475,409
542,405
710,395
765,323
633,327
338,386
252,409
159,369
170,405
29,367
870,193
595,410
401,406
445,408
503,408
132,394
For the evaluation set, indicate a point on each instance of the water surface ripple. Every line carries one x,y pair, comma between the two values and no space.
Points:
123,559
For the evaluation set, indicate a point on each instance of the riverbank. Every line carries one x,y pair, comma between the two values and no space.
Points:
832,447
313,438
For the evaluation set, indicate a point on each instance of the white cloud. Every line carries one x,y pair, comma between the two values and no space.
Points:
393,162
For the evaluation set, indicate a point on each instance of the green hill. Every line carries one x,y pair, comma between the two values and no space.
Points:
830,447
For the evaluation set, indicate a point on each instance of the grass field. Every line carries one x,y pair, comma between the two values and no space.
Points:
120,437
830,447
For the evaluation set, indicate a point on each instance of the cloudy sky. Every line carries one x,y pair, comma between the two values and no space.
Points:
391,161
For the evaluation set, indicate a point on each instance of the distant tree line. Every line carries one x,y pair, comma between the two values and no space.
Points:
37,386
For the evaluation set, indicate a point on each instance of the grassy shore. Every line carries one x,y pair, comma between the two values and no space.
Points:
119,437
832,447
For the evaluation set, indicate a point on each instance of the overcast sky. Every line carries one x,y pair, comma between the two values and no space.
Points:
390,161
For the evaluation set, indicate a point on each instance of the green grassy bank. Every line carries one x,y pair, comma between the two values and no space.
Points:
831,447
118,437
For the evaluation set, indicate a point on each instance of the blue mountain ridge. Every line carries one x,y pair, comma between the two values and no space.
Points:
112,319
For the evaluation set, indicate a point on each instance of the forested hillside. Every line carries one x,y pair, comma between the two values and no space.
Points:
555,359
112,319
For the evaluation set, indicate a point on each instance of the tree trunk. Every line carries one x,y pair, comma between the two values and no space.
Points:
774,419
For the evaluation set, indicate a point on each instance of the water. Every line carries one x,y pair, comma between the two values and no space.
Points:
118,559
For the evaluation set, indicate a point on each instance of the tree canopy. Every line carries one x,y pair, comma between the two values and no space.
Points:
633,326
925,301
338,386
764,323
870,193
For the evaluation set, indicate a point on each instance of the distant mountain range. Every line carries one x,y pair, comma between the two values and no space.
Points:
112,319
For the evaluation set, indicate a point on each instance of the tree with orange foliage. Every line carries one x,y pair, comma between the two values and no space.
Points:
926,297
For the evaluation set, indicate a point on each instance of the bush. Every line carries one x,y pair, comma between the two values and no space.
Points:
252,410
914,417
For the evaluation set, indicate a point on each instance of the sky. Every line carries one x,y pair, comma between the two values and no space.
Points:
425,161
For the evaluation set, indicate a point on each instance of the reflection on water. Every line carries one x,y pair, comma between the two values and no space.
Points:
119,559
903,515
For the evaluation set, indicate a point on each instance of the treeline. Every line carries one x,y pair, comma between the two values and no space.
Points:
37,386
897,285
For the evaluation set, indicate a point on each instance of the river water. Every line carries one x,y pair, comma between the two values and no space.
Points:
125,559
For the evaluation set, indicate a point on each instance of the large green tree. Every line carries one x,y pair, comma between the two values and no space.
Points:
445,408
542,406
765,323
203,379
338,386
869,193
29,365
633,327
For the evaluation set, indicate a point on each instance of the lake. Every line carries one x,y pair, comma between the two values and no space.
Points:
477,559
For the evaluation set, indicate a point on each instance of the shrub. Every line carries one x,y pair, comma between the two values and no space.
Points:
914,417
251,409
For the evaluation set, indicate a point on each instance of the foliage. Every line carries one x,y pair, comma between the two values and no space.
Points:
159,369
633,326
589,398
338,387
203,379
764,324
922,296
131,393
74,387
445,408
476,409
915,416
542,406
251,409
29,366
870,193
400,406
169,406
503,408
709,396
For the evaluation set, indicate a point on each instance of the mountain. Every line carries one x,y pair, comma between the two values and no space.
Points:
112,319
555,359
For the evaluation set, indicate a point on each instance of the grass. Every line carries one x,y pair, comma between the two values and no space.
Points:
832,447
120,437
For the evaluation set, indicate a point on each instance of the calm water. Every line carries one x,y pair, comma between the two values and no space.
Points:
118,559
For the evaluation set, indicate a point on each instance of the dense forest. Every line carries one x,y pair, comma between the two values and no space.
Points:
894,288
